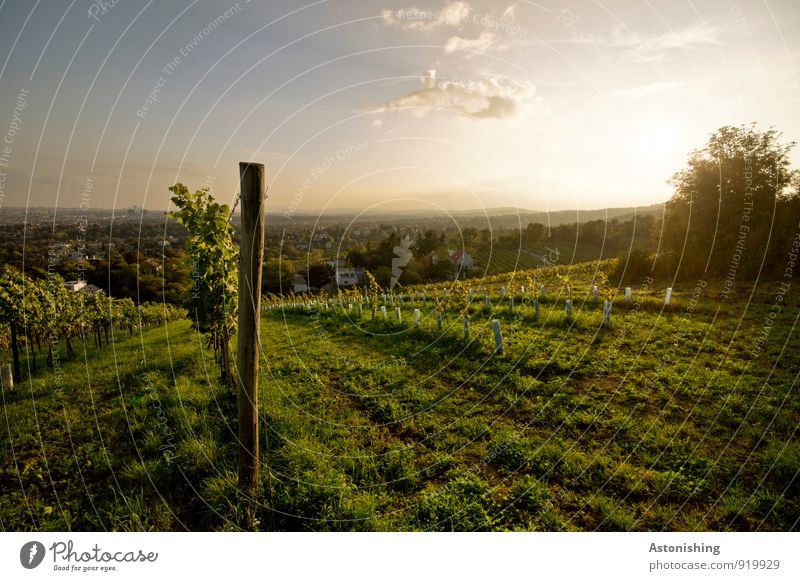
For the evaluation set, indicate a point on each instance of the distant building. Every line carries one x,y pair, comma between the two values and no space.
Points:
337,263
462,259
345,275
80,286
300,284
91,289
349,276
75,285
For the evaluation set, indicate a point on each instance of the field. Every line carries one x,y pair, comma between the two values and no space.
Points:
671,419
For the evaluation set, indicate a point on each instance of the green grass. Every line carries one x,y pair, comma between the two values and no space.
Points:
662,422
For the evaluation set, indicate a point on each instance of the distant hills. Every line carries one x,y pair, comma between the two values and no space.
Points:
495,218
475,218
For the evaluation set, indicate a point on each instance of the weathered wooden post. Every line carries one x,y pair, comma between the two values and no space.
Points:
498,336
251,258
606,314
7,377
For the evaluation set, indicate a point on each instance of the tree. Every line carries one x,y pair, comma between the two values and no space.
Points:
278,276
721,213
319,275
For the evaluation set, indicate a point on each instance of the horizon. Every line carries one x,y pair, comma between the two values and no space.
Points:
311,212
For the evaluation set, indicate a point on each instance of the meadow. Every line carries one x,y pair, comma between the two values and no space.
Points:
680,417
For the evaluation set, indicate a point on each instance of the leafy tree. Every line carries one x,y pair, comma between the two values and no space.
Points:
319,275
278,275
727,195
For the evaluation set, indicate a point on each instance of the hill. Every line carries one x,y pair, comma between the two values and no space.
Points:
674,418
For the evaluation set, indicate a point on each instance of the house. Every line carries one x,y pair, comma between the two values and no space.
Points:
300,284
91,289
75,285
349,276
344,275
462,259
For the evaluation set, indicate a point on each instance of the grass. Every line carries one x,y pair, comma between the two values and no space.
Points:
663,422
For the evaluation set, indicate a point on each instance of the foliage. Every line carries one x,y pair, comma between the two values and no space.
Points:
725,200
213,262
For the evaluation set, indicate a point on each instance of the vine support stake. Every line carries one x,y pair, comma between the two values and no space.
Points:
251,181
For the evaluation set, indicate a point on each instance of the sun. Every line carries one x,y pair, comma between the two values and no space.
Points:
660,141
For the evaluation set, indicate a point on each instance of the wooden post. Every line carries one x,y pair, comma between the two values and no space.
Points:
15,352
7,378
251,258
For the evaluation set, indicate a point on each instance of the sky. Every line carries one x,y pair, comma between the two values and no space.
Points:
430,104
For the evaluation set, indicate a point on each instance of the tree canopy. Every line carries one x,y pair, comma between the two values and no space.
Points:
731,205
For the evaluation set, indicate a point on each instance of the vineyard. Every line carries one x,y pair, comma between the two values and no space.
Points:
502,260
545,399
38,315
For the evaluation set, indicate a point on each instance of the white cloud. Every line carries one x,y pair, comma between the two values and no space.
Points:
488,98
630,47
481,44
428,79
452,15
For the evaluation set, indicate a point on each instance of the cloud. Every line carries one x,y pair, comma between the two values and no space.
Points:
481,44
489,98
428,79
452,15
629,47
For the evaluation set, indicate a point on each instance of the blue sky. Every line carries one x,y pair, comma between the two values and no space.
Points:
431,104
